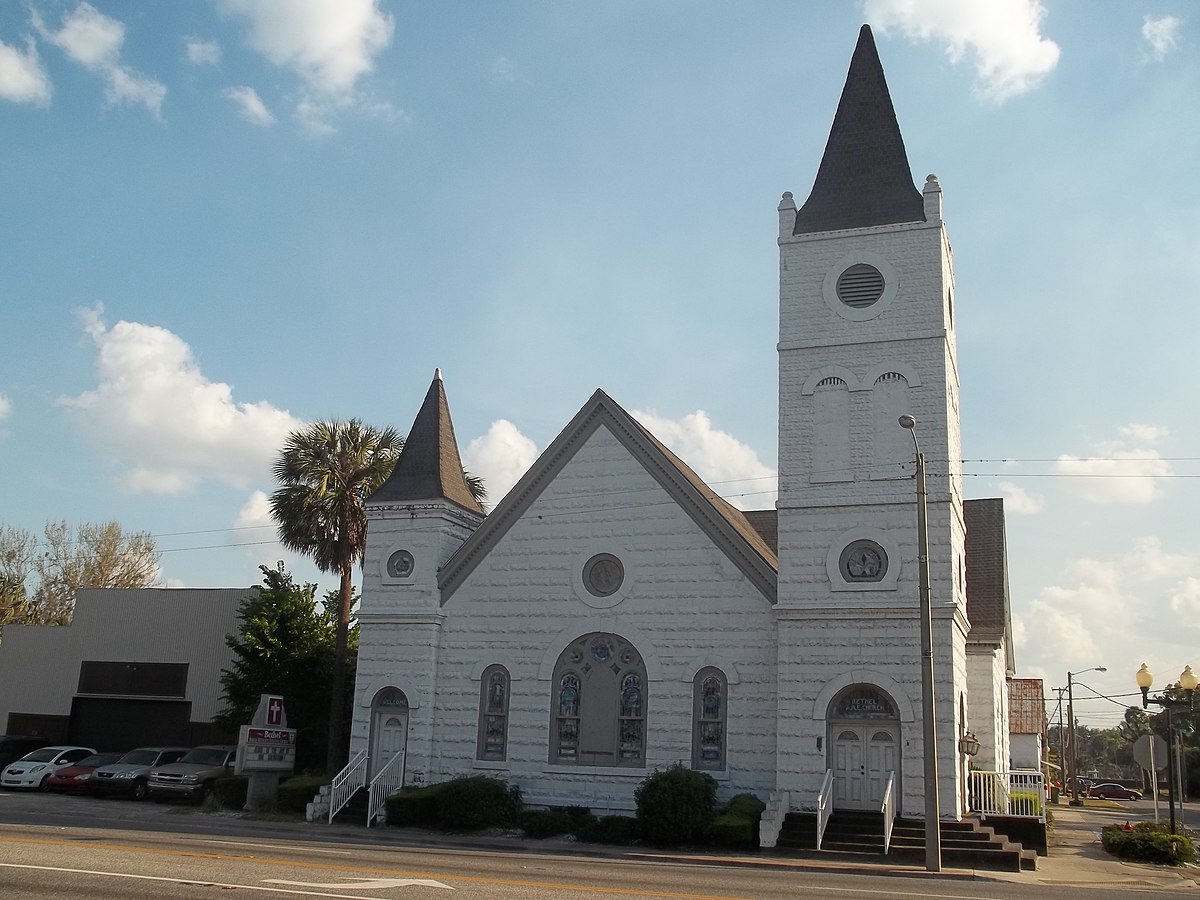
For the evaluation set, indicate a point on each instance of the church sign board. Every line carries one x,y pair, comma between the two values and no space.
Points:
266,750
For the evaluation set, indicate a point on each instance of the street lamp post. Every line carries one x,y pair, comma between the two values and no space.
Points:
933,833
1075,801
1188,682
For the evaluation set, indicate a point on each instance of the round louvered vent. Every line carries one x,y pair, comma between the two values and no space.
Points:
860,286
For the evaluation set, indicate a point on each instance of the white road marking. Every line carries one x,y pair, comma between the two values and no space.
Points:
365,883
220,884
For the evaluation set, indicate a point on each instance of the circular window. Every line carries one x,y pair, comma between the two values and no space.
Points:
860,286
603,575
863,561
400,564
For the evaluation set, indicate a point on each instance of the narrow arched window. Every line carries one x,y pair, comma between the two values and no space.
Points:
831,431
598,705
493,714
709,711
891,445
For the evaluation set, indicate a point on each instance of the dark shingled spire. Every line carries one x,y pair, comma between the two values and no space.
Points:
864,177
429,467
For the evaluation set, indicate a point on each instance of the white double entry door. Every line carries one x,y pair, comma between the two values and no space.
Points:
863,758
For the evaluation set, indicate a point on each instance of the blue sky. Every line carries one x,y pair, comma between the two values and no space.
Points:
221,219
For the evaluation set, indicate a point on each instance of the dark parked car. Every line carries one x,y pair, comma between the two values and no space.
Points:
130,774
74,779
1113,792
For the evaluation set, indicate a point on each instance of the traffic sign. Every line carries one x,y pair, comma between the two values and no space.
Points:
1141,752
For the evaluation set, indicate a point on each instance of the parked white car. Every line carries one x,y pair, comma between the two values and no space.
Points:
32,769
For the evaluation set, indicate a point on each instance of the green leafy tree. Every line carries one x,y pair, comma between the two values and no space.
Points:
325,472
285,645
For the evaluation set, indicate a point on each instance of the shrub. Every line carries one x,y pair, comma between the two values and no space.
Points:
619,830
296,793
1029,801
675,805
414,806
477,801
231,792
732,830
544,823
1148,844
746,805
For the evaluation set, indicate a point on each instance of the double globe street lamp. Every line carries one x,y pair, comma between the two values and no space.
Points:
1169,699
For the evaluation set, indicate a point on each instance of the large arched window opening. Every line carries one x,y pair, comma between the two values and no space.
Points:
493,714
710,689
598,704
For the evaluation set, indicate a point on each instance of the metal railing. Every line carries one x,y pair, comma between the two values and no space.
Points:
1015,793
389,780
347,783
824,806
888,808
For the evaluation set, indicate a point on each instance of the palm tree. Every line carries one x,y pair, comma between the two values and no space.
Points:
326,472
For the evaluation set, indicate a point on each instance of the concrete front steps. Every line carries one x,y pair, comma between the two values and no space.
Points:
859,835
355,810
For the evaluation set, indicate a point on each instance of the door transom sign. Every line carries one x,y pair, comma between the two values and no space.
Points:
864,739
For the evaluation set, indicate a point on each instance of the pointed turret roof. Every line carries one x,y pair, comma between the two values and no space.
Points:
429,467
864,178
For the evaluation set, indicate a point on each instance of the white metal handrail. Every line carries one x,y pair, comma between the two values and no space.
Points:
389,780
1017,793
346,783
888,808
824,806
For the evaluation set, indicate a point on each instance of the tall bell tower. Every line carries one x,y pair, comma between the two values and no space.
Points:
866,335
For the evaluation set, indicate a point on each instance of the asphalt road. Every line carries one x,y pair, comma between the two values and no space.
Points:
79,848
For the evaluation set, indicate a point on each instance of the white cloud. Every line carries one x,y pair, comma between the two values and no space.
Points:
1004,36
730,468
6,407
504,69
500,457
1160,36
22,77
250,105
94,41
1019,501
329,44
163,424
1185,601
1127,470
202,53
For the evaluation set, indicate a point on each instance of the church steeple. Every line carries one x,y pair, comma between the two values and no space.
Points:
864,178
430,466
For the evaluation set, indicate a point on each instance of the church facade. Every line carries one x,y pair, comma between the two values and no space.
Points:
613,615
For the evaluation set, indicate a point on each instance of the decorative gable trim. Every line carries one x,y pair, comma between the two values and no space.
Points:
738,539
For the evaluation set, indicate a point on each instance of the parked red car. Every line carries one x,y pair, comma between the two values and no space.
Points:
74,779
1113,792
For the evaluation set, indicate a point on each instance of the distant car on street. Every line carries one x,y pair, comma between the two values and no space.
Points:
34,769
1113,792
73,779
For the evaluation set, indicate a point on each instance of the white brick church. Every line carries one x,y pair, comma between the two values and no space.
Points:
613,615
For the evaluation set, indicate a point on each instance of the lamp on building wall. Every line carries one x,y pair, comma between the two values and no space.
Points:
1075,801
1187,684
933,833
968,744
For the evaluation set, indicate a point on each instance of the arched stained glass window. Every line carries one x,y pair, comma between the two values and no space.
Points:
598,708
709,699
493,714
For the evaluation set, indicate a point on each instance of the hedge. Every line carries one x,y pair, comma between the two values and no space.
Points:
675,805
414,807
477,801
231,792
1149,842
296,793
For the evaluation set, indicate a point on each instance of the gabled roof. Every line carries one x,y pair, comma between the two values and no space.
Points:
987,573
429,467
726,525
864,178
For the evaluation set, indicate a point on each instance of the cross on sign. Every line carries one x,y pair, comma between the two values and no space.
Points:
275,711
